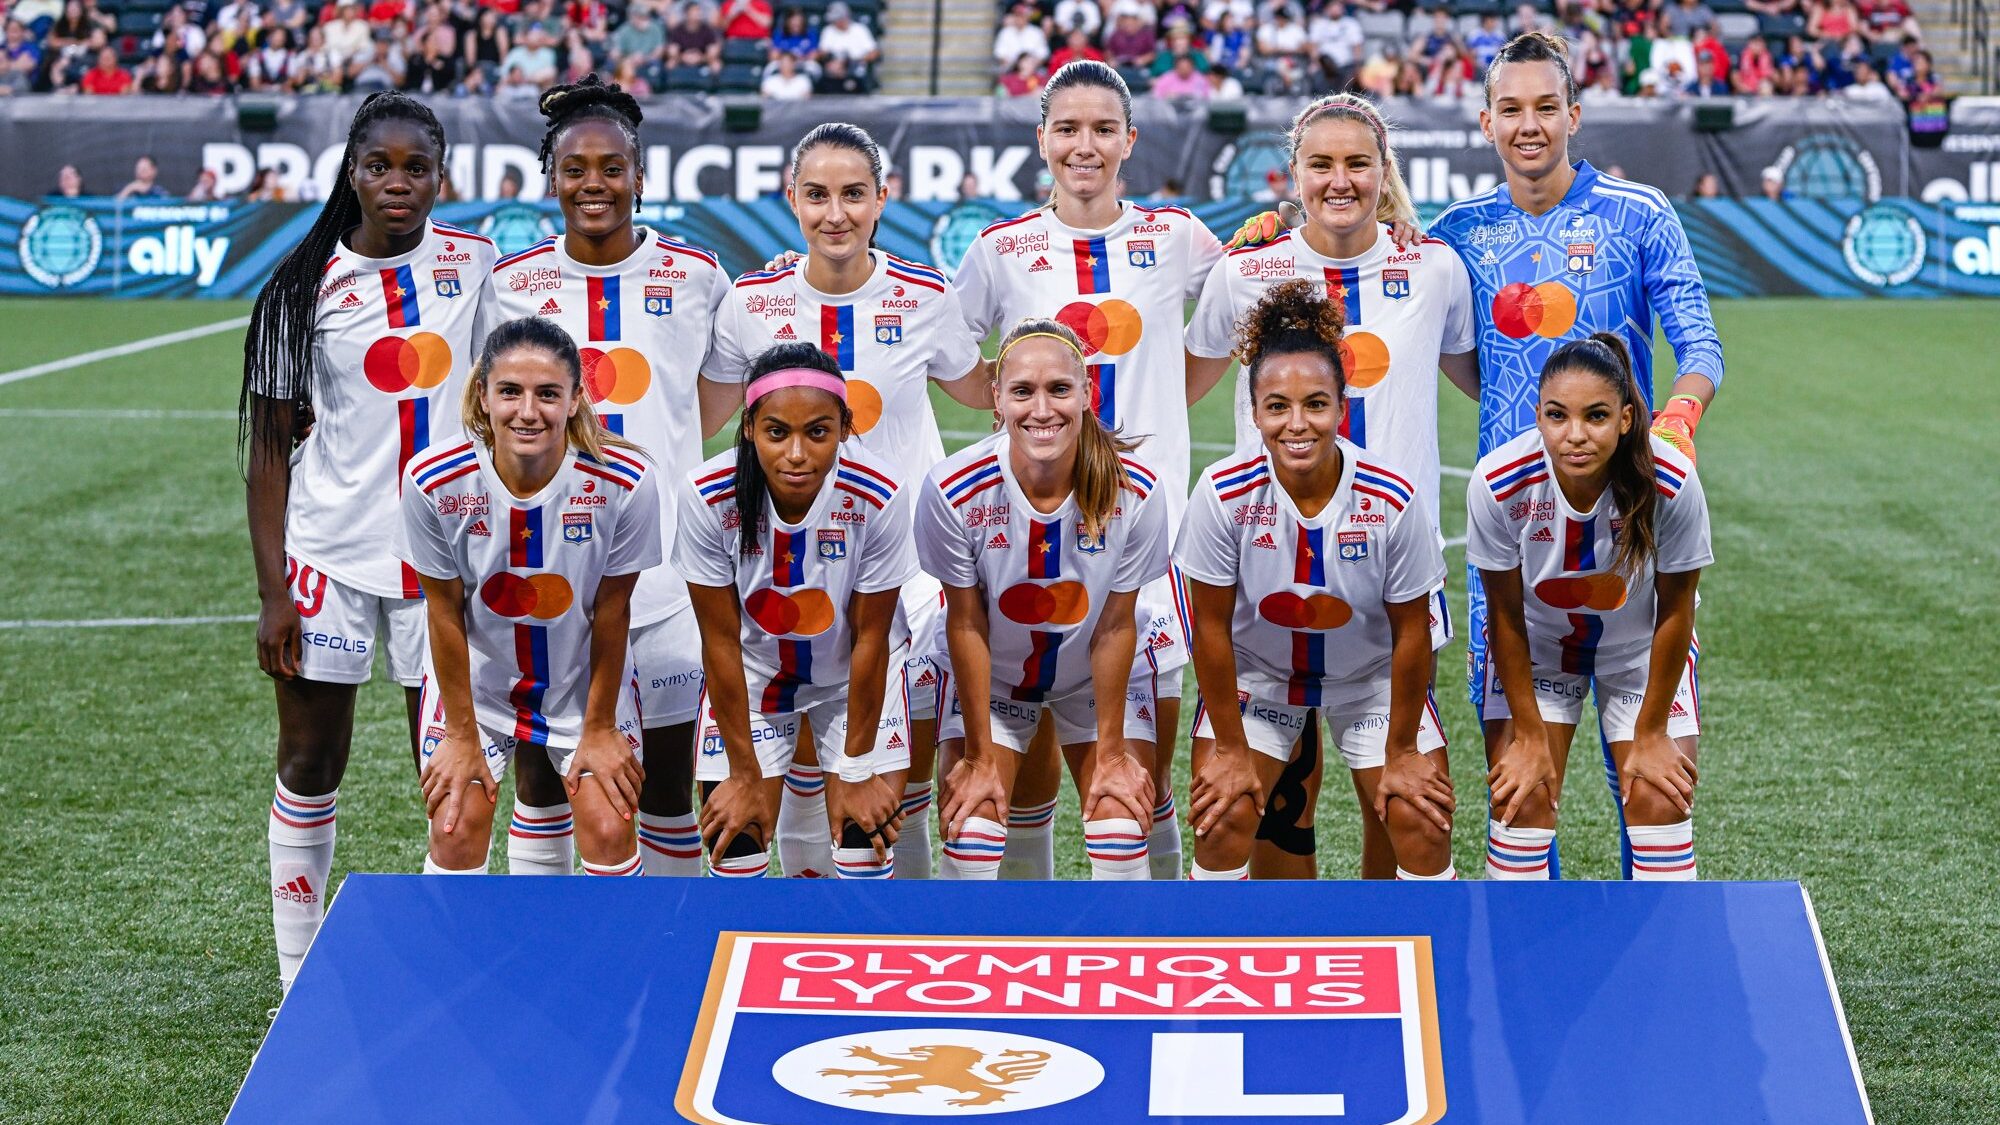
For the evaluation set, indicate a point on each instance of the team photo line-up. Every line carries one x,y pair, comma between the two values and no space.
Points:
834,632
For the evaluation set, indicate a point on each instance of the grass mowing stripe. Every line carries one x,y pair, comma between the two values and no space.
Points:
148,344
114,415
131,622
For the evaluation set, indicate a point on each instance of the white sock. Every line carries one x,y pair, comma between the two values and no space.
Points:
752,866
860,863
631,866
1517,854
301,836
1448,875
1117,850
1201,874
431,867
805,843
913,846
1163,843
1031,842
541,840
976,852
670,845
1662,853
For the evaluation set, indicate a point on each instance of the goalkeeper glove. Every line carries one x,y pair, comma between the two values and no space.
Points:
1675,424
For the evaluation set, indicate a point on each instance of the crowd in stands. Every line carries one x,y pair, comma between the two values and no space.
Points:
1857,49
469,48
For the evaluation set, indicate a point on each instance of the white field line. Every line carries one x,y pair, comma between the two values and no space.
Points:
112,414
133,348
130,622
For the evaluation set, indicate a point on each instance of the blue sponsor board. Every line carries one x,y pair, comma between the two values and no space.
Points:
793,1002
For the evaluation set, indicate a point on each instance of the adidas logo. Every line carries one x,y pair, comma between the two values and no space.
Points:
479,528
1145,716
1041,265
1677,711
298,890
928,679
351,301
998,542
549,308
1542,535
785,333
1160,641
896,741
1265,541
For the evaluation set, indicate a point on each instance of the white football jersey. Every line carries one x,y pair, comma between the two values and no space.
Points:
892,336
795,587
1582,616
1045,581
392,343
1404,309
1311,626
531,568
644,327
1124,291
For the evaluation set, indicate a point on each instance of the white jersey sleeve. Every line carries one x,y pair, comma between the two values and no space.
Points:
954,347
1416,559
981,299
1145,556
635,544
1205,253
729,349
944,549
1207,549
1680,522
1211,334
1490,543
890,559
704,552
1461,331
420,538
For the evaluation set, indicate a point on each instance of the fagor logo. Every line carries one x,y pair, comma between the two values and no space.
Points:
178,251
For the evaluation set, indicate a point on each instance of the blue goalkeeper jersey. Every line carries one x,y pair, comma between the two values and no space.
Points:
1609,258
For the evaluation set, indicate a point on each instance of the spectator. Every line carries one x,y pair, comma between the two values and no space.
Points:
1337,41
1686,17
145,181
1131,44
165,74
630,77
1772,184
1076,49
535,57
1832,21
1708,185
1604,87
209,77
968,186
1706,83
1181,80
845,38
107,77
1282,46
1378,75
65,71
69,182
1672,60
1147,12
179,36
290,14
786,82
436,70
1896,70
1771,9
1230,44
1707,46
515,87
1450,73
1435,40
265,186
1078,15
574,58
1888,21
1923,96
894,185
836,78
23,58
795,36
1528,18
1180,41
1222,85
1867,86
1213,11
1017,38
1409,79
1756,70
1022,80
1486,42
747,19
348,36
640,38
1593,57
488,43
320,70
69,29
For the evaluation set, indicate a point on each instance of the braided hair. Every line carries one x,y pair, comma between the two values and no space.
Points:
592,99
1291,318
278,350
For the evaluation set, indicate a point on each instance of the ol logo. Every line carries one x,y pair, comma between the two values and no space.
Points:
446,282
1088,544
1353,546
888,330
576,527
1581,258
1395,284
659,300
833,545
1140,253
808,1029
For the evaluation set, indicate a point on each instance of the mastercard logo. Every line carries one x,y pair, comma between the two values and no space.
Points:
619,376
1058,603
866,403
1112,327
1521,310
1319,611
1365,359
1601,592
806,613
541,596
395,364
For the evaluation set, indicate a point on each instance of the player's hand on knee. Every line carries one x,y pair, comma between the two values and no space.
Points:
605,757
455,769
1417,781
1120,777
1525,771
279,639
1657,762
736,808
1226,777
973,788
869,805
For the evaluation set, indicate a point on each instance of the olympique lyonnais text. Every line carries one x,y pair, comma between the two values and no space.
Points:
1214,979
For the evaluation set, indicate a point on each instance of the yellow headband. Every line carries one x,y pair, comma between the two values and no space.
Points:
1066,342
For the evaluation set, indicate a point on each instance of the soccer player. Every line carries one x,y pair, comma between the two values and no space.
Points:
1590,534
640,306
1119,276
796,545
1408,314
1559,251
894,327
1042,536
360,333
528,538
1310,567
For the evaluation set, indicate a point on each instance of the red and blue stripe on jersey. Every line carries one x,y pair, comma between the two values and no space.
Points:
1579,544
1309,559
972,480
676,246
795,666
545,246
531,658
717,486
1579,645
445,466
413,429
836,334
1308,669
1038,671
1045,549
1103,392
1376,481
915,273
399,293
1344,285
524,538
860,480
1514,476
621,469
1093,266
1668,478
602,304
1138,477
788,558
1239,480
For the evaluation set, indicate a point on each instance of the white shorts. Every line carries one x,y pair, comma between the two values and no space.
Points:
1013,721
925,620
776,737
499,746
1164,646
339,626
667,655
1560,696
1360,730
1441,630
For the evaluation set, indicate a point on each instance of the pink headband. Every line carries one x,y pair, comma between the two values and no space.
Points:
794,377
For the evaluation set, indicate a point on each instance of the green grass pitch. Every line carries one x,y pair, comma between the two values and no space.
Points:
1849,629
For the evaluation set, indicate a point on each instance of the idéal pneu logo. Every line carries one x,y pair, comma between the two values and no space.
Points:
803,1029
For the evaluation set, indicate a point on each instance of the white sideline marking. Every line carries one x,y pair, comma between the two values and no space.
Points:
130,622
136,346
85,412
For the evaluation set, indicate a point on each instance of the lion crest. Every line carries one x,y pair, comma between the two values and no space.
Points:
951,1067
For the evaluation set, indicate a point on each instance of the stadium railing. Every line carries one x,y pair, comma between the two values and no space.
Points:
1975,36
